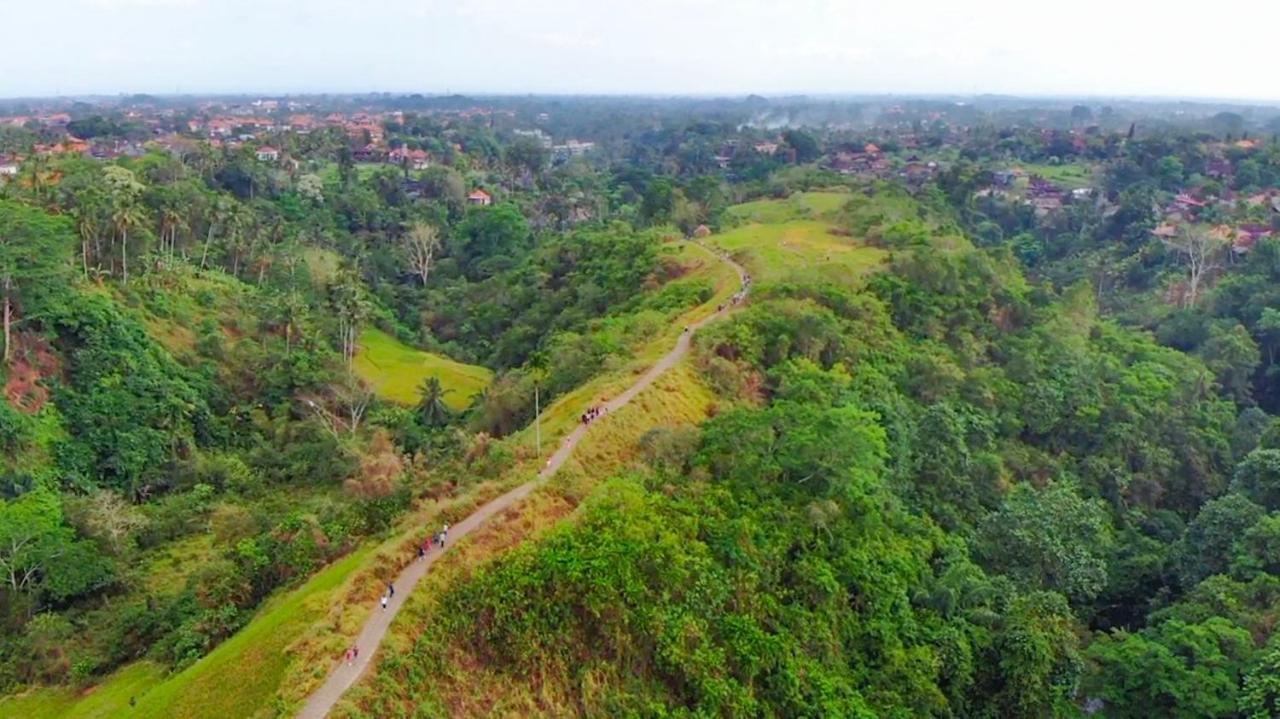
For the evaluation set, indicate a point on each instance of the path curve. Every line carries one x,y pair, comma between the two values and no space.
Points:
343,675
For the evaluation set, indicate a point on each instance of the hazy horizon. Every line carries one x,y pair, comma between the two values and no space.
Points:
1092,48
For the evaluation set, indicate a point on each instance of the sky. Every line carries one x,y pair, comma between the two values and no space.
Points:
665,47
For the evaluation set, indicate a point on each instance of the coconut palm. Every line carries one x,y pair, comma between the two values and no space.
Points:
431,408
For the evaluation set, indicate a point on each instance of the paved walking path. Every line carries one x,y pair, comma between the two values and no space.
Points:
344,675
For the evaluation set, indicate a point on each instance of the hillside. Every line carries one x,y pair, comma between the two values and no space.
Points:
915,408
286,647
659,420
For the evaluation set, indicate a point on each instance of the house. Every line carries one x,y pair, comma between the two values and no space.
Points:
1187,202
266,153
1081,193
1218,168
1165,231
415,159
1246,236
766,148
8,168
479,198
419,159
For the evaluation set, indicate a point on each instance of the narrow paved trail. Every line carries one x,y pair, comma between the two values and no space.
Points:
344,675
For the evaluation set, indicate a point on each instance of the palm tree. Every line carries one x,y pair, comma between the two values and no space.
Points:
219,213
123,190
125,216
431,408
86,217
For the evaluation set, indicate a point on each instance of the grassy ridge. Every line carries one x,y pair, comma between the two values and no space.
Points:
396,371
286,650
237,679
465,687
795,239
784,239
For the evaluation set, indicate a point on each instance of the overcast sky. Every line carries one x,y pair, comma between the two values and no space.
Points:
1082,47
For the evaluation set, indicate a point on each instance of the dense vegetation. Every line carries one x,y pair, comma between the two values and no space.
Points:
968,455
952,492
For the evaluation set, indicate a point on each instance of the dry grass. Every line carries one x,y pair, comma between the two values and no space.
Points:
678,398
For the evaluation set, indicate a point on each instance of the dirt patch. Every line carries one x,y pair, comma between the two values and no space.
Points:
33,362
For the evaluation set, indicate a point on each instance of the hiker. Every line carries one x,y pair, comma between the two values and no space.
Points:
356,651
422,552
384,602
391,589
351,655
445,532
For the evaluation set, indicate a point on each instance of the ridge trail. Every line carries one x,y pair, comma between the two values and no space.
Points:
342,676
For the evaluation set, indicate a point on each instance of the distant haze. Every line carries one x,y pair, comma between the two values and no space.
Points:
1086,47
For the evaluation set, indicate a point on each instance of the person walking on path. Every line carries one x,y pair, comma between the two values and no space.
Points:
384,602
422,551
351,654
391,589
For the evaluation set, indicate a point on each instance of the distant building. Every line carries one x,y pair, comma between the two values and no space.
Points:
414,159
8,169
266,153
766,148
571,148
479,198
1246,236
536,135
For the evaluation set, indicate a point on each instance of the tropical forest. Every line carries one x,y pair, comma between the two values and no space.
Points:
403,405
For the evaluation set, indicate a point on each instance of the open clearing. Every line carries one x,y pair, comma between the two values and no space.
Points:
396,371
786,238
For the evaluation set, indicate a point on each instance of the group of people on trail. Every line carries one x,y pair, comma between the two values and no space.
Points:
434,540
740,295
592,413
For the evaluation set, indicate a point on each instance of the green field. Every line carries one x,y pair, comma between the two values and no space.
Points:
108,699
396,371
786,238
799,205
1069,176
237,679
